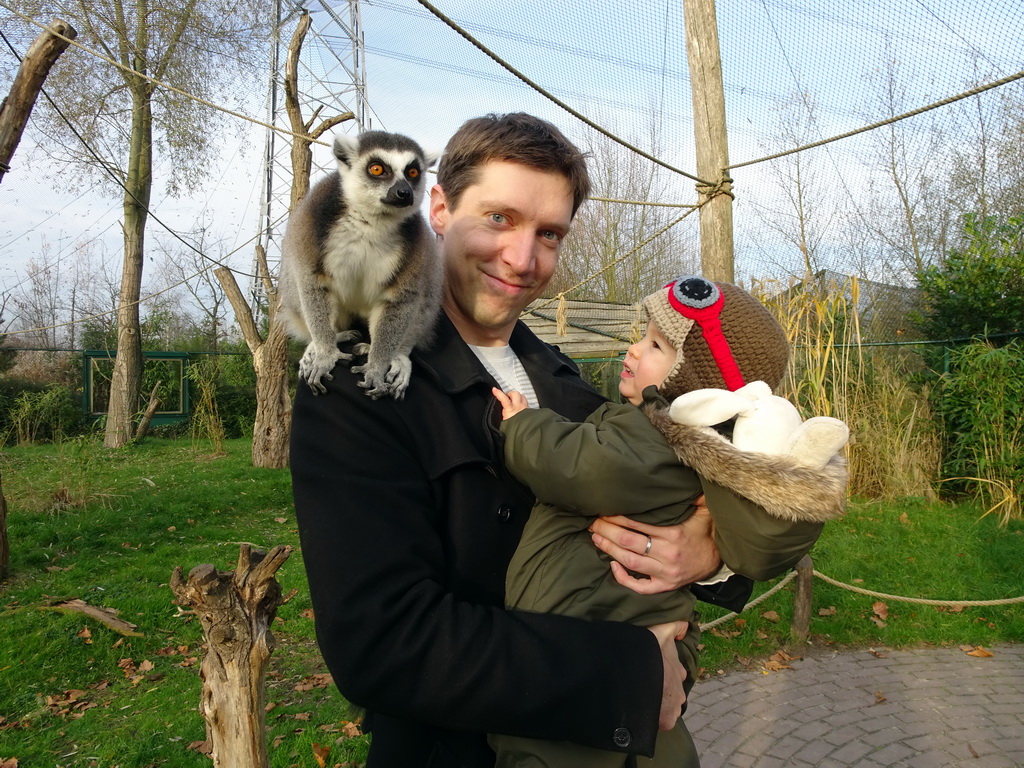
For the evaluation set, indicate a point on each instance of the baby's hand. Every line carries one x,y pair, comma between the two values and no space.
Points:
511,404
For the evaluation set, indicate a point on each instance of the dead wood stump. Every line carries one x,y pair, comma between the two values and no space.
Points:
235,610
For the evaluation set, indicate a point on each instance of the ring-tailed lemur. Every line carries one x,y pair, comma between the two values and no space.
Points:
357,247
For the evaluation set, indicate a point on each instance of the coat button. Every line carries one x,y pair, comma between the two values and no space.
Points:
504,513
622,737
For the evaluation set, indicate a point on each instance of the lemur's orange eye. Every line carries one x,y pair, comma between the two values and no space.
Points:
413,173
376,169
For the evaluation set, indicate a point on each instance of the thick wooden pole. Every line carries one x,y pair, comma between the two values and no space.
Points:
716,244
16,108
804,598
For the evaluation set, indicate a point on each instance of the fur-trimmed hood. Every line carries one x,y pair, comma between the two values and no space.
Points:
778,484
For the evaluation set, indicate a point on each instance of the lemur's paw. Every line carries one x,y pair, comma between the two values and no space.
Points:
343,336
316,365
391,382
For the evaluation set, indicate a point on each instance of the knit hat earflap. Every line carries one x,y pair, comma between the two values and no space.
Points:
723,337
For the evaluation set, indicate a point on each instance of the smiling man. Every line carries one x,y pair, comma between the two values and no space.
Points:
408,517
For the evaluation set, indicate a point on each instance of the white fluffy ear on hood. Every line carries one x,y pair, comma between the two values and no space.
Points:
707,407
817,440
764,423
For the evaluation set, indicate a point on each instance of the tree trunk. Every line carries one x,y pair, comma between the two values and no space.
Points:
303,133
147,417
301,155
235,610
709,128
17,107
126,380
272,429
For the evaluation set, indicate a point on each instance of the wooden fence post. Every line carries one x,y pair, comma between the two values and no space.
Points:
803,601
711,139
235,610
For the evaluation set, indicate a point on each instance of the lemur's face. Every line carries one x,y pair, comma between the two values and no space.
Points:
386,182
500,246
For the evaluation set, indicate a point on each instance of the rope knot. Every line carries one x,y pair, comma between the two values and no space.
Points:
707,192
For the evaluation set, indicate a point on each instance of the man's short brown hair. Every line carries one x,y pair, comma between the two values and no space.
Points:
516,138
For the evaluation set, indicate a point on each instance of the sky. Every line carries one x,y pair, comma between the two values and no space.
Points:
622,64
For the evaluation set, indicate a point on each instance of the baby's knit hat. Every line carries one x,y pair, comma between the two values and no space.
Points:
724,337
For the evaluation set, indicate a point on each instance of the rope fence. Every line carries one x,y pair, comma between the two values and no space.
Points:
804,572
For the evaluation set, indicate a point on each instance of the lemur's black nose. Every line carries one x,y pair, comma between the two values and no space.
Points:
399,195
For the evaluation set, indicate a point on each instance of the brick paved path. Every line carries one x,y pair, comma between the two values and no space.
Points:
941,708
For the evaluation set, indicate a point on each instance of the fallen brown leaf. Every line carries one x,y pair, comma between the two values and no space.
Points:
321,680
725,633
71,703
350,730
8,762
771,616
879,697
981,653
86,635
830,611
202,747
321,754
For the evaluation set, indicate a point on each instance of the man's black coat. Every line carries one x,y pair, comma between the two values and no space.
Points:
407,522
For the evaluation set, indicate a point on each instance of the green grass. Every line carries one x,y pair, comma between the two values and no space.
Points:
908,548
109,526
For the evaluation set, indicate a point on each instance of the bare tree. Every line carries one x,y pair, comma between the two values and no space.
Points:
190,269
607,232
909,210
38,303
126,119
270,353
805,212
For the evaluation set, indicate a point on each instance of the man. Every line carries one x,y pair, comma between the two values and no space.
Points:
408,518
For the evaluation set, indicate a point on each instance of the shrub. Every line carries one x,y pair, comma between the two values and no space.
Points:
981,404
47,414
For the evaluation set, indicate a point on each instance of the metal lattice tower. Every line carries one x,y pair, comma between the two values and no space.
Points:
331,78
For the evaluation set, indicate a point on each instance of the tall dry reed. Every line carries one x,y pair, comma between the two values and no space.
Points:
894,449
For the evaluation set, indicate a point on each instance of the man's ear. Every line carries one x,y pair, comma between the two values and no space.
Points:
439,212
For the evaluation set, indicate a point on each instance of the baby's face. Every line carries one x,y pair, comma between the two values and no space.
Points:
647,362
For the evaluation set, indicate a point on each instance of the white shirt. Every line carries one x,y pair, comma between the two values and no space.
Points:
503,364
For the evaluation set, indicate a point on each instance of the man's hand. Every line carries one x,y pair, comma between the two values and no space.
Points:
672,695
676,556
